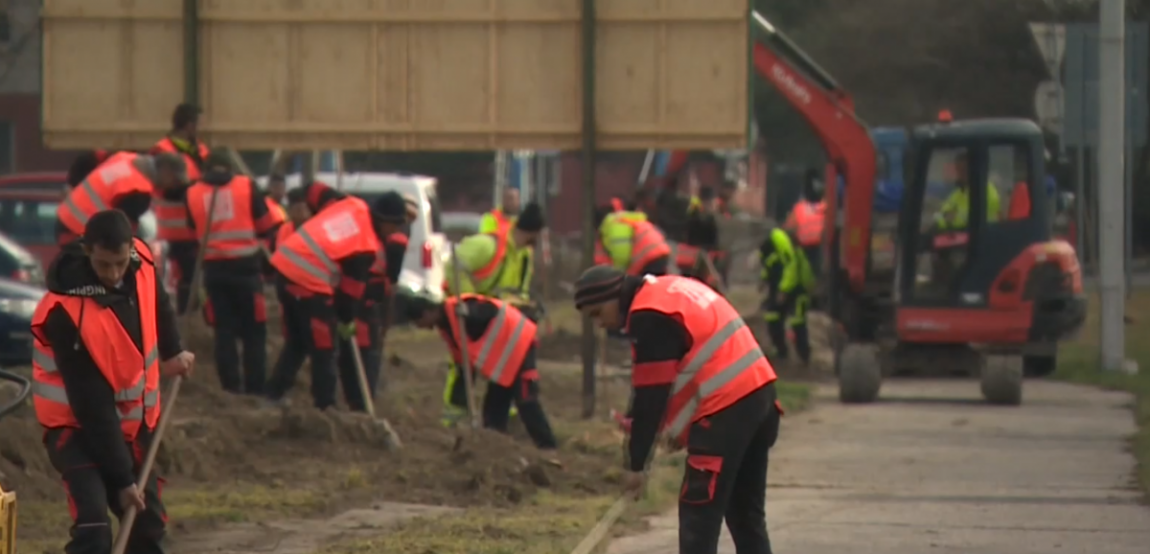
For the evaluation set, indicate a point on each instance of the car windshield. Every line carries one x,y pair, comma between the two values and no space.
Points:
29,222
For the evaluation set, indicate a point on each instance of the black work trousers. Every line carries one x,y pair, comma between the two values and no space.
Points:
790,312
369,341
183,256
309,332
90,498
726,476
239,313
524,393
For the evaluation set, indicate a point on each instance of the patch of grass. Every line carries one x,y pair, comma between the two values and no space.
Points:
43,526
1078,362
546,523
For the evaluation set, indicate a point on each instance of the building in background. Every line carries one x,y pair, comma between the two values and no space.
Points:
21,148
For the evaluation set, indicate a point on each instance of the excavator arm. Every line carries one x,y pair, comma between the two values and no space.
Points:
830,111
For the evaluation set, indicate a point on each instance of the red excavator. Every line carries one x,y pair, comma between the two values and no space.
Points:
971,287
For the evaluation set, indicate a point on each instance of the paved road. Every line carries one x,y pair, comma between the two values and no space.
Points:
932,470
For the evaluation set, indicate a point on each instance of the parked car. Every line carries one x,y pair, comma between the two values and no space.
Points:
423,267
17,305
28,204
18,264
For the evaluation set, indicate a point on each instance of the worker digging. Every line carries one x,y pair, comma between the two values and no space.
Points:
104,334
700,382
500,344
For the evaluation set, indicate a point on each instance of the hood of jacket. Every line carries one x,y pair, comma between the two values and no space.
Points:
71,274
217,178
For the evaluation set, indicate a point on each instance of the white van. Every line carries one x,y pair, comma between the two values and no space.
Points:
427,248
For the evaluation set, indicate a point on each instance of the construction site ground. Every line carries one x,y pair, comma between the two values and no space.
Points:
929,468
245,477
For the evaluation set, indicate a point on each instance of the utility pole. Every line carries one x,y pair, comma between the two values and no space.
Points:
1111,188
589,231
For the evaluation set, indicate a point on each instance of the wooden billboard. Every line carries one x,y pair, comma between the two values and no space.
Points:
398,74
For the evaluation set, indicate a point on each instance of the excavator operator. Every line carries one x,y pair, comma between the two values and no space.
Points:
497,265
787,275
955,210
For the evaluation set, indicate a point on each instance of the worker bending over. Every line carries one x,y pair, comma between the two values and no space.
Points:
182,141
808,218
502,217
955,210
498,265
787,276
125,182
501,347
631,244
103,335
701,381
229,211
371,314
322,273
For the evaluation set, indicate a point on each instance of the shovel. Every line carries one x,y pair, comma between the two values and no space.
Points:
392,441
146,471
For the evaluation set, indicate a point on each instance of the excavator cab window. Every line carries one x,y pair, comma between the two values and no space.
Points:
939,202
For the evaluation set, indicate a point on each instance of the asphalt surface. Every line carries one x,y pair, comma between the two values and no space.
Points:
931,469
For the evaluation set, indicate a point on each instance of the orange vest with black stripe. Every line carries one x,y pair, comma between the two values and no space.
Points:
724,363
233,232
133,373
100,190
193,163
498,355
310,257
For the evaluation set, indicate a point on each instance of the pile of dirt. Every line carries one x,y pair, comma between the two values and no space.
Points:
218,440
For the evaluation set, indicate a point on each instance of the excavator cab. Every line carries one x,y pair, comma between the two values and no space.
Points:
981,285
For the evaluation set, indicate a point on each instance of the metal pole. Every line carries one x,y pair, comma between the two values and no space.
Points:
1080,204
192,51
589,231
1112,108
1128,253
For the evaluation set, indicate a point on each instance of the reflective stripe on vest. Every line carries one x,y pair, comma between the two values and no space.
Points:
172,220
329,273
76,210
499,354
112,178
686,414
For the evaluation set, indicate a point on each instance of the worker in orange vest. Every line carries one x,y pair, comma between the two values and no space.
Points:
103,336
501,347
322,274
631,243
182,140
232,270
125,182
173,226
701,382
807,219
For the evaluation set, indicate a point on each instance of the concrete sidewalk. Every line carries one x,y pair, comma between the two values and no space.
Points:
931,469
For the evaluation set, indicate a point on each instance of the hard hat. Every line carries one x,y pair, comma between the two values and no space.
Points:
944,116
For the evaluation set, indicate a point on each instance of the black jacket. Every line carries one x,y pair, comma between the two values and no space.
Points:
90,395
239,271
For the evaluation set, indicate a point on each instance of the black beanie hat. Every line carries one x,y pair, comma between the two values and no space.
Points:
531,218
390,208
597,285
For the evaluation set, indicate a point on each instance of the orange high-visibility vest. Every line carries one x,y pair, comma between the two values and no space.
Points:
194,164
499,353
807,220
134,373
1019,202
647,245
286,230
310,257
233,233
100,190
172,219
724,363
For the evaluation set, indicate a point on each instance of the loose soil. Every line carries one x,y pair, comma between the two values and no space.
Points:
236,461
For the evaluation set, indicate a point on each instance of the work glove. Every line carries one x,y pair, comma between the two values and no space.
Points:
346,331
